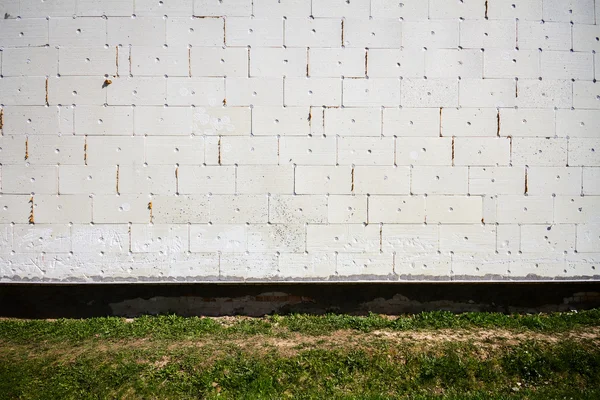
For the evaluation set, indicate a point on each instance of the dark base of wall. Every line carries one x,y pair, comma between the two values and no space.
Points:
77,301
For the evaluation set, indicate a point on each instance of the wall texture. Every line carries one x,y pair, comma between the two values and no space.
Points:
265,140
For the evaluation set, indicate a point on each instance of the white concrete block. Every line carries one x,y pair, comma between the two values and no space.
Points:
126,208
453,209
254,32
288,238
366,266
49,150
381,180
90,60
408,10
586,94
105,239
52,238
221,120
423,267
98,120
12,149
298,209
307,266
353,121
226,7
508,238
394,63
402,239
551,239
115,150
377,33
468,238
78,32
482,151
281,8
218,238
521,209
163,239
150,120
584,37
554,180
527,122
469,122
167,150
52,209
34,8
281,61
429,93
23,91
139,91
26,179
591,181
233,209
487,93
365,151
577,123
145,8
439,180
430,34
576,209
488,34
248,150
281,121
316,150
539,151
345,238
15,208
323,180
196,179
254,91
411,122
159,61
252,266
423,151
24,32
339,8
38,120
503,63
313,92
76,90
344,209
371,92
313,32
180,209
331,63
567,65
496,180
467,9
143,31
37,61
582,265
98,8
582,152
219,61
397,209
195,91
261,179
535,35
156,179
77,179
578,11
509,9
588,238
453,63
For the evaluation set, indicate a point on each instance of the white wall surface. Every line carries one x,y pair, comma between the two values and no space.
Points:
264,140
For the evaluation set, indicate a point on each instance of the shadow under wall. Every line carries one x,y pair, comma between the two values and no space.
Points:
94,300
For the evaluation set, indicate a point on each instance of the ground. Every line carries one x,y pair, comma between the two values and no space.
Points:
428,355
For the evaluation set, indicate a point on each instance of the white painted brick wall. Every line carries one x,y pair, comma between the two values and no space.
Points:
302,140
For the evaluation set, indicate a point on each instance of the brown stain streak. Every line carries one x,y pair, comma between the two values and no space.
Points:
498,124
190,63
526,182
85,151
486,9
1,118
224,33
150,208
342,32
366,61
219,149
453,151
117,187
26,148
31,218
117,60
177,180
440,121
47,92
307,61
352,181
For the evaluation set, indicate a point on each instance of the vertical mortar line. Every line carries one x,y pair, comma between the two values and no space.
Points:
343,32
336,149
177,179
235,178
57,180
47,104
190,62
117,59
294,181
453,137
219,150
269,208
129,235
368,210
395,151
283,35
581,181
381,126
26,148
129,58
516,33
486,9
352,180
117,186
307,62
248,50
498,123
31,217
366,61
381,237
224,31
440,121
283,91
526,181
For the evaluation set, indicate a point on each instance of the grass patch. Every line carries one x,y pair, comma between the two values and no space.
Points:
423,356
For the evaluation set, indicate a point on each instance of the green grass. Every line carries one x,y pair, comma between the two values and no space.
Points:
488,356
175,327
